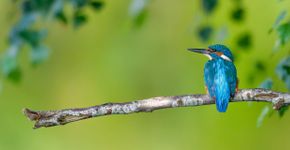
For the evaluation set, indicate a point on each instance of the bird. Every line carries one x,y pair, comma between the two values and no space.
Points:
220,74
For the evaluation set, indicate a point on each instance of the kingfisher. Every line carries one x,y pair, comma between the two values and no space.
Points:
220,74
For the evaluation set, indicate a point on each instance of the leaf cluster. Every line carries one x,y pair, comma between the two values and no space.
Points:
31,30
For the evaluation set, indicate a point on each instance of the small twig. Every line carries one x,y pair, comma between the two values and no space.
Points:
62,117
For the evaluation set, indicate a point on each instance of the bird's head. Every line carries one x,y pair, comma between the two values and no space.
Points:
215,51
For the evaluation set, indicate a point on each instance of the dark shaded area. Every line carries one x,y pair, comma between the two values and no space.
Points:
97,5
244,41
33,37
209,5
79,19
283,71
238,14
60,16
282,110
205,33
15,75
283,32
260,65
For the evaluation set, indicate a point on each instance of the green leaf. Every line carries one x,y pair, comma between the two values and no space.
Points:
280,17
33,37
79,19
205,33
79,3
138,11
261,118
10,67
97,5
15,75
137,6
209,5
260,65
9,64
238,14
283,71
283,32
57,9
39,54
140,19
245,41
267,84
26,7
282,110
42,6
61,17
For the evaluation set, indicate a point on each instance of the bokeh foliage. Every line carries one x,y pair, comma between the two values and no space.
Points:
31,29
101,51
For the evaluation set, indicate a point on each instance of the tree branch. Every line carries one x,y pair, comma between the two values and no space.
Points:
62,117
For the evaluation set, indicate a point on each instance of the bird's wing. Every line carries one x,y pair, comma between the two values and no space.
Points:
209,72
231,74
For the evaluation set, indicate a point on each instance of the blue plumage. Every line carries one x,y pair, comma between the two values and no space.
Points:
220,74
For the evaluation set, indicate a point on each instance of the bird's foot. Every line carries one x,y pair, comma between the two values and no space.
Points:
237,86
237,90
206,90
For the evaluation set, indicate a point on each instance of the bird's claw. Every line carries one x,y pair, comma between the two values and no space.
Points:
206,90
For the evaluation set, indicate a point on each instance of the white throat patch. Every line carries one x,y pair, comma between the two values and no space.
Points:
207,55
225,57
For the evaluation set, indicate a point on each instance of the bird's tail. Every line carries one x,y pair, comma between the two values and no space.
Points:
222,98
222,106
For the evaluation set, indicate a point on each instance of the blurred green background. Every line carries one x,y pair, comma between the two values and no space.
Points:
110,59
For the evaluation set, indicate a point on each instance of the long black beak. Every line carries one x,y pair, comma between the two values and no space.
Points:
199,50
